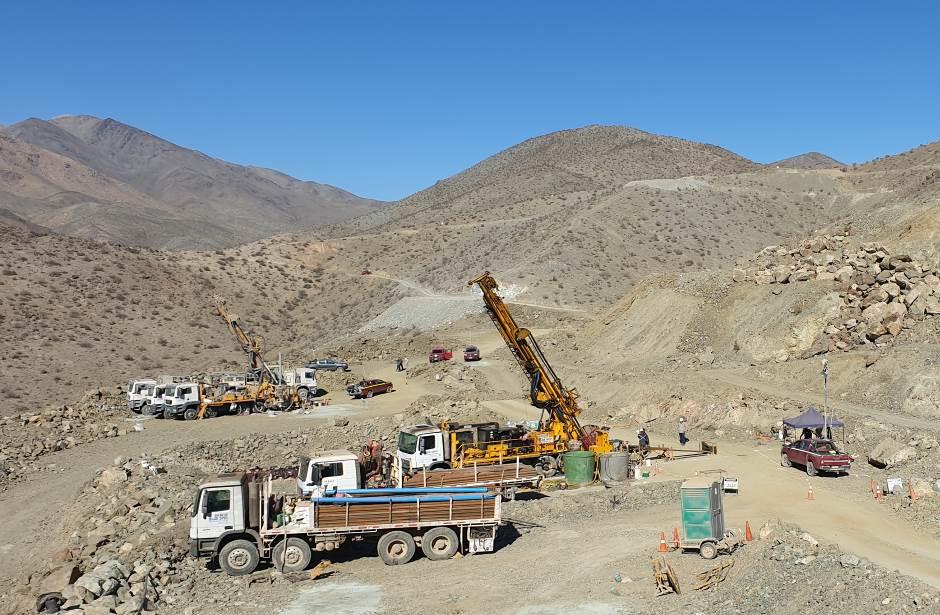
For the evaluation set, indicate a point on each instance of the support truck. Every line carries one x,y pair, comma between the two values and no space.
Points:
239,520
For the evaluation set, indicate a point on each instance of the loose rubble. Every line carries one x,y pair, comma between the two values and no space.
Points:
26,438
882,294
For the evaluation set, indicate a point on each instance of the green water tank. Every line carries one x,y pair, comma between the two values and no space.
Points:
703,517
579,467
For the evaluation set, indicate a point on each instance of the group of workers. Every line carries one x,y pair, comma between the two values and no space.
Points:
644,438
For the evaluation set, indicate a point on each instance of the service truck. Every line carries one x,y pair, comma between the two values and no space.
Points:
329,471
136,391
240,520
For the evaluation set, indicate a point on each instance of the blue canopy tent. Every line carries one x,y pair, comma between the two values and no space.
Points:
812,419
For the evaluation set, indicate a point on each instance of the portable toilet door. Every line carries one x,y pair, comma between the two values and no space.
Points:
702,514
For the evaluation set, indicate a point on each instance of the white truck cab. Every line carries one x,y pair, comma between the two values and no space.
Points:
304,381
182,400
136,389
328,471
422,446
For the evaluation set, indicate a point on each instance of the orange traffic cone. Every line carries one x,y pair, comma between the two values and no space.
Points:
675,538
662,543
913,494
748,536
809,494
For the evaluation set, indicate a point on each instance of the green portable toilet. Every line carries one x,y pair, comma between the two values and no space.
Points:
703,517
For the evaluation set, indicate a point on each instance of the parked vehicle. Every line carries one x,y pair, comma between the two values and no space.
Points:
439,353
303,379
182,400
136,391
329,365
471,353
816,455
239,520
368,388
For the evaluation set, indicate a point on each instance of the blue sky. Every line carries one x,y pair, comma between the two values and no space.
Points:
386,98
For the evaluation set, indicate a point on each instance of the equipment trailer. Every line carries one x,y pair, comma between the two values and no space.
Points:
238,521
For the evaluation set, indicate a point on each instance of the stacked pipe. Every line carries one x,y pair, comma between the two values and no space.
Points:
470,475
390,506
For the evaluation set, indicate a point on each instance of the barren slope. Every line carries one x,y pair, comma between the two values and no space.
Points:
182,198
809,160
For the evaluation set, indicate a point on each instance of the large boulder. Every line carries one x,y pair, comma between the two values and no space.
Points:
59,578
890,452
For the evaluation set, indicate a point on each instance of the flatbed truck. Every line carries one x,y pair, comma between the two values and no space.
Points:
239,520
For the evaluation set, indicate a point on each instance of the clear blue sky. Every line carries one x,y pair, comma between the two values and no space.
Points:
386,98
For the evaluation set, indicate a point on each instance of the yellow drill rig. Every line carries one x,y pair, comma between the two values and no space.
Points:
264,388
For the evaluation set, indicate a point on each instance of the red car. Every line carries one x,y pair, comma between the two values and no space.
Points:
471,353
439,353
816,455
368,388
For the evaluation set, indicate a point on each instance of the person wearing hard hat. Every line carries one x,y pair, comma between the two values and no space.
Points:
682,430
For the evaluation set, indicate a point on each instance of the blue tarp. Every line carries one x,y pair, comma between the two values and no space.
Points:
812,419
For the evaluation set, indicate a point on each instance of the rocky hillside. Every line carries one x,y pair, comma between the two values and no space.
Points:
89,315
104,180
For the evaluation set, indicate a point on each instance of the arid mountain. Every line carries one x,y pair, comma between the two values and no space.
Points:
140,189
809,160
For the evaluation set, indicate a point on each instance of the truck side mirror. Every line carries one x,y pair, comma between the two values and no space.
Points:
204,506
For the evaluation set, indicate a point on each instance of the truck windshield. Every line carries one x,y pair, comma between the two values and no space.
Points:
407,443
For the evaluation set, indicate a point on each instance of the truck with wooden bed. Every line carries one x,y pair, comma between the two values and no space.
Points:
240,519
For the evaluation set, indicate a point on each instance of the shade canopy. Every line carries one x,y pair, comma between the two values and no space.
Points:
812,419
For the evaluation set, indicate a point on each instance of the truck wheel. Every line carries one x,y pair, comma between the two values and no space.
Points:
169,414
147,410
291,555
785,460
190,413
303,394
211,413
396,548
439,543
238,558
810,469
708,550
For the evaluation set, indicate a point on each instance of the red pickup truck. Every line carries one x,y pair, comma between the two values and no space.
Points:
439,353
816,455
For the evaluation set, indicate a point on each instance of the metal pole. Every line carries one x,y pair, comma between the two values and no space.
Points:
825,375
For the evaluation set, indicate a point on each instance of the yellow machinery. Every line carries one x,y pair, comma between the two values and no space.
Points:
559,425
265,391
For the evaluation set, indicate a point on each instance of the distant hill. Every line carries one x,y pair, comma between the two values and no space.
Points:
123,184
809,160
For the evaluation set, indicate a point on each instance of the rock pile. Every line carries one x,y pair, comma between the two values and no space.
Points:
127,554
882,294
26,438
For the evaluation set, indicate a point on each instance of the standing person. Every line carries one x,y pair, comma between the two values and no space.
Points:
644,439
404,364
682,431
398,366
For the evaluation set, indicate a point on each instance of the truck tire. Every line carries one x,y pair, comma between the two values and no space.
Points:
238,558
168,414
396,548
708,550
146,410
303,394
190,413
785,460
291,555
439,543
211,413
810,468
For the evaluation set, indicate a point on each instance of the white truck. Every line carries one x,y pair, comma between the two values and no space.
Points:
136,391
239,520
182,400
304,381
